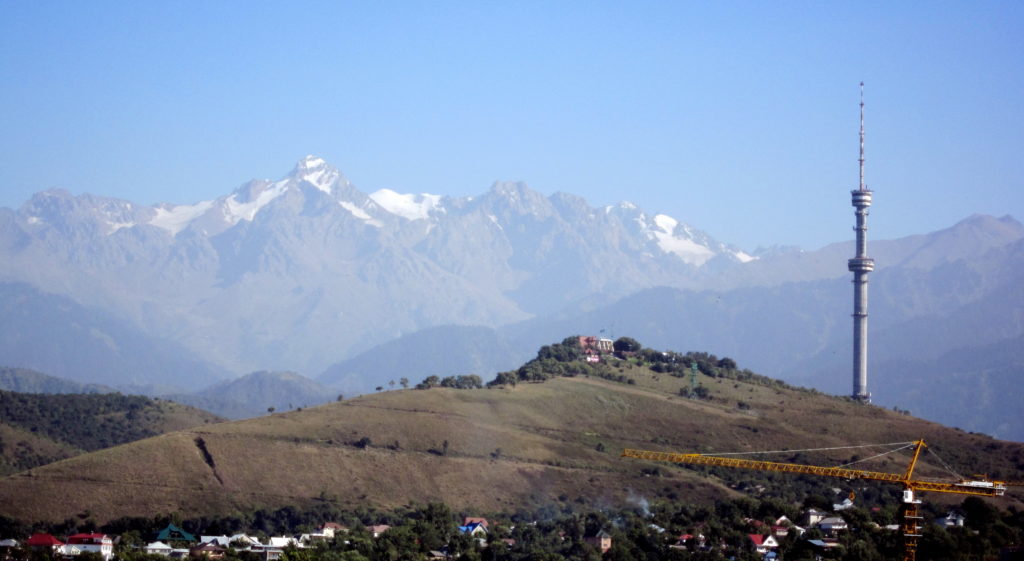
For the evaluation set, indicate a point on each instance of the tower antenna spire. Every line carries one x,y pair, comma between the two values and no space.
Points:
862,186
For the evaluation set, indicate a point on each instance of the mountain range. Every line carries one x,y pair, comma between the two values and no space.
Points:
309,274
304,271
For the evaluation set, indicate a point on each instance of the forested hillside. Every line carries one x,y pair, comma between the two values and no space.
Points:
37,429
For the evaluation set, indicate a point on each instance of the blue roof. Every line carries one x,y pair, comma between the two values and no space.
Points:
172,532
471,527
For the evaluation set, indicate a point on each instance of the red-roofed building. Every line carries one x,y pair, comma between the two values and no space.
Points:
93,542
686,540
42,541
763,544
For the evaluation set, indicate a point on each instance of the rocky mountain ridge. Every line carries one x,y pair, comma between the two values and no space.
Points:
301,272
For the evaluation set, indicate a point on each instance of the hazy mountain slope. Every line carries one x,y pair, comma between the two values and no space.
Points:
253,394
38,428
442,351
29,381
484,449
975,388
52,333
966,239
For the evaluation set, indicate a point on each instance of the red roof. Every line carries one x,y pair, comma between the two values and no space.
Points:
757,539
38,540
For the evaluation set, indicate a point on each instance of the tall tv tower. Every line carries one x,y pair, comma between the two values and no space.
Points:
861,265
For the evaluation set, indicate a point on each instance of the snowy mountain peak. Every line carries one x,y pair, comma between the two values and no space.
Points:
678,239
311,162
317,172
409,206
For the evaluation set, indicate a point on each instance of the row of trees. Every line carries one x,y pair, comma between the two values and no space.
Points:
466,382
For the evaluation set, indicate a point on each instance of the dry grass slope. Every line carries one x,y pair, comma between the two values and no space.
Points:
509,447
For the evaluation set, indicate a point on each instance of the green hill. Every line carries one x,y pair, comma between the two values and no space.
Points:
36,429
492,449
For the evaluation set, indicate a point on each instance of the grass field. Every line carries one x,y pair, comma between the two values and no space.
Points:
486,449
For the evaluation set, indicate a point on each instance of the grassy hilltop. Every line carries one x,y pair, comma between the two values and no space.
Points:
488,449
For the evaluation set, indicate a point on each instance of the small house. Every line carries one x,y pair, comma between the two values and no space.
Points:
206,551
377,530
763,544
174,533
832,525
475,529
92,542
812,516
602,541
157,548
466,521
332,529
45,542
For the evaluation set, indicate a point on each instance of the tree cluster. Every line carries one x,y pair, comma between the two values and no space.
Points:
467,382
567,358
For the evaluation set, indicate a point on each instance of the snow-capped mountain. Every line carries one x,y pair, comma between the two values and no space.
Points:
301,272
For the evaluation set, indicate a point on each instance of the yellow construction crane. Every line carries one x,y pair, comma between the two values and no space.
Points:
911,526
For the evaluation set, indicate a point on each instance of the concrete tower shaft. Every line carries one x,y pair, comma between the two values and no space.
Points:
860,266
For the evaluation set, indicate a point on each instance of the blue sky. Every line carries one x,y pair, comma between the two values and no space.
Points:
739,118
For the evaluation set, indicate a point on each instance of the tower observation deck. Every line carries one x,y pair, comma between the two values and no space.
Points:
860,266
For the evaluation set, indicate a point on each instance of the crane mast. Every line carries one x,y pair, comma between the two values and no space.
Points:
911,527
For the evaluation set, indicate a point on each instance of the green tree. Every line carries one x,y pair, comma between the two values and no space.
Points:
626,345
429,382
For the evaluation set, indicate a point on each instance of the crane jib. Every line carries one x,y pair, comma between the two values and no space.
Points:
987,489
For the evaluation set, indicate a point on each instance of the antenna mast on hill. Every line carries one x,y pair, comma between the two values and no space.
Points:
860,266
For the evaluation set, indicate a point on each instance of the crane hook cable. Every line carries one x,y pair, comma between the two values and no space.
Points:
876,455
945,465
